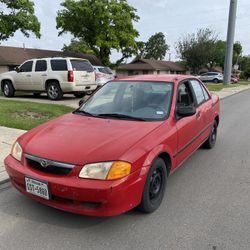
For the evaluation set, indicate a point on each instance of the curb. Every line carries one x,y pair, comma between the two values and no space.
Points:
232,94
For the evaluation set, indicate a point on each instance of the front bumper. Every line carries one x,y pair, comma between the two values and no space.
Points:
81,196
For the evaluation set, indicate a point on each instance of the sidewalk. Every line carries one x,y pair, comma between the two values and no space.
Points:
8,135
7,138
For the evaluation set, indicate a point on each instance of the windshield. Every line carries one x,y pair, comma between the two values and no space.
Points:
148,101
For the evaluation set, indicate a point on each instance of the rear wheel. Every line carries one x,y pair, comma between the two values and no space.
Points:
210,142
54,91
216,80
154,188
8,89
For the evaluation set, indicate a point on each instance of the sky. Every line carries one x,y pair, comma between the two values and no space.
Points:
174,18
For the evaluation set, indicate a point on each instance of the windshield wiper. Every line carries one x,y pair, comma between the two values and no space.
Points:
83,113
121,116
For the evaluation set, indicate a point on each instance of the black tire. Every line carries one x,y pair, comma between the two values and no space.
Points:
8,89
54,91
36,94
210,142
216,80
154,188
79,95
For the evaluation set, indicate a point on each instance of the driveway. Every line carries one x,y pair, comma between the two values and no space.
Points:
68,100
206,206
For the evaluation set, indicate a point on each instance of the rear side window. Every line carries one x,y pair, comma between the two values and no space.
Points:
198,91
26,67
59,65
41,65
80,65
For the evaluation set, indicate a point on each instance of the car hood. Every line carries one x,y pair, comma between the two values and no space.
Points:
79,139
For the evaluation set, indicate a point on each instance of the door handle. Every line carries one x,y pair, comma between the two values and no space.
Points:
198,114
44,75
28,75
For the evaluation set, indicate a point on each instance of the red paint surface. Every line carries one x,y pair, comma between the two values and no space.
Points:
79,140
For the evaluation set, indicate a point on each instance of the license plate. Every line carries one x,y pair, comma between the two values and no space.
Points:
37,188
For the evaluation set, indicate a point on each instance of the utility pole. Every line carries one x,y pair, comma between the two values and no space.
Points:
230,42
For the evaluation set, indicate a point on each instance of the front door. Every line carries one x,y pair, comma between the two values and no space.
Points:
188,128
23,77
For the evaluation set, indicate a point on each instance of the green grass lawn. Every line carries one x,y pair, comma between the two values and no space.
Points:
27,115
219,87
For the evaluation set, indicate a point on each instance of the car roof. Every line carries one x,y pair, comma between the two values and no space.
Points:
158,78
74,58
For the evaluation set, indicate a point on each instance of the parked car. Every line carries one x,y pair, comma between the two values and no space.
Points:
103,75
116,151
212,77
55,76
234,79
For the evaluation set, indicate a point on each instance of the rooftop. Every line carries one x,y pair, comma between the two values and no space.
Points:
157,78
16,56
149,64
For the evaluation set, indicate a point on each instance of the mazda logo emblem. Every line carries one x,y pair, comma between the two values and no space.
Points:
44,163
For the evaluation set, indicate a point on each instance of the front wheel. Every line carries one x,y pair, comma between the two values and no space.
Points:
154,188
210,142
8,89
54,91
216,80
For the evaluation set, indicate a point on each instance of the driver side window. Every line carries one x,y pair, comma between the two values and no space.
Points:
26,67
185,97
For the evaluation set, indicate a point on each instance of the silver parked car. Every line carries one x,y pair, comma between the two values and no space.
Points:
215,77
103,75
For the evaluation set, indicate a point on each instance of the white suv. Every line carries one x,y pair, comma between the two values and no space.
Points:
212,77
55,76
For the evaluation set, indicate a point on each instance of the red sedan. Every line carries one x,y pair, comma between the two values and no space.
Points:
116,150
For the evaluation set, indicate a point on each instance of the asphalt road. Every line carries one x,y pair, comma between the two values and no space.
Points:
207,204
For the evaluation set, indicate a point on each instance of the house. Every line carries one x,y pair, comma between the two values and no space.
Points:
213,69
10,57
149,66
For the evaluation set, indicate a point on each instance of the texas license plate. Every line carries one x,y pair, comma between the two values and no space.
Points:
37,188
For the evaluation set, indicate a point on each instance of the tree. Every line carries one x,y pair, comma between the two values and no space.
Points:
156,47
103,25
221,50
17,15
198,49
78,46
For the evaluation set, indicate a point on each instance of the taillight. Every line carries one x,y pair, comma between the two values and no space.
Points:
70,76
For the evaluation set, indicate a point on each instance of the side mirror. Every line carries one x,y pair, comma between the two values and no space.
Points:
185,111
17,69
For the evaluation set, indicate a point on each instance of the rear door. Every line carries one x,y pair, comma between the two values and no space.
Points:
39,75
83,72
203,106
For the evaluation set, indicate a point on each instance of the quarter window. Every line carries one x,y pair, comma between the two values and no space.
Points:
59,65
41,65
26,67
80,65
200,98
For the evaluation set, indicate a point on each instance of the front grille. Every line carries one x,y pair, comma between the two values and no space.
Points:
48,166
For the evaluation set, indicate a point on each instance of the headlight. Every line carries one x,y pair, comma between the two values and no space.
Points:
106,170
17,151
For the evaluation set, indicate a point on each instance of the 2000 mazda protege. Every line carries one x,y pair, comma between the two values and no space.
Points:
116,150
